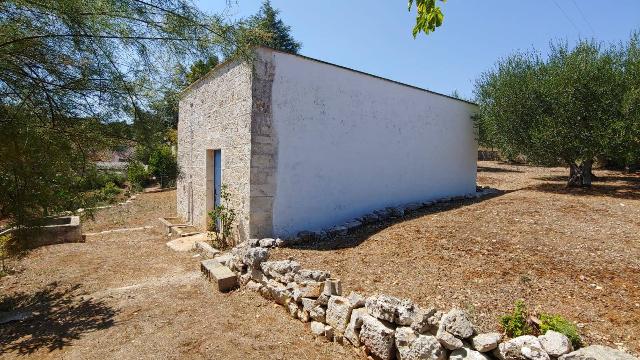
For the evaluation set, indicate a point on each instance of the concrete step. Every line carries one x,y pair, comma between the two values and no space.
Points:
224,278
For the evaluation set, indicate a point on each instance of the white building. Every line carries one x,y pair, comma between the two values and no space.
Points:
302,144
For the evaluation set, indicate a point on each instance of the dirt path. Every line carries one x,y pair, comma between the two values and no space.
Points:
127,296
571,252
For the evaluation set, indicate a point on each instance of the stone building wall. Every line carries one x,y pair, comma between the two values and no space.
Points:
264,146
215,113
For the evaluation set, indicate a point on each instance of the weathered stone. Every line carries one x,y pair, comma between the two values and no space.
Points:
352,333
377,337
206,250
391,309
597,352
258,276
534,353
338,313
222,259
356,300
280,270
513,349
224,278
303,315
467,354
254,286
318,313
555,343
486,342
323,299
370,218
423,347
332,287
328,332
244,279
405,336
253,257
338,231
448,341
253,242
293,308
395,211
307,290
278,292
317,328
267,242
353,224
308,304
304,276
425,320
457,323
278,243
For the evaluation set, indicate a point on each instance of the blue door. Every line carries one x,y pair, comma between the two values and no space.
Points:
217,177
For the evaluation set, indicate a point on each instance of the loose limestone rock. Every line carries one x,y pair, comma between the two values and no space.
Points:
318,313
332,287
486,342
555,343
449,341
405,336
513,349
352,333
425,320
356,300
280,270
597,352
391,309
423,347
338,313
293,308
317,328
278,292
467,354
378,337
267,242
457,323
304,276
253,257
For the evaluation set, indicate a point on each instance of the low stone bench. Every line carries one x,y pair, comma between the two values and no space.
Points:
224,278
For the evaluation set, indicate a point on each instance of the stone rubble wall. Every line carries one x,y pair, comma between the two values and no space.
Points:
386,327
215,113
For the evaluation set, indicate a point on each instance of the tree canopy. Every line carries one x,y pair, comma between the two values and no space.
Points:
70,67
575,106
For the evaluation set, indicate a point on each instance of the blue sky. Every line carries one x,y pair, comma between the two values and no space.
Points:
375,36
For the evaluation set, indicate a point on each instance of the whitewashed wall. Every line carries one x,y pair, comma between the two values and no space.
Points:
349,143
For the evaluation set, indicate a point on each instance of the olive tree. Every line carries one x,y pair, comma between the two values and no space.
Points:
566,108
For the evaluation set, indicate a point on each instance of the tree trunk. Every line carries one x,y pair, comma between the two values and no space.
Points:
581,175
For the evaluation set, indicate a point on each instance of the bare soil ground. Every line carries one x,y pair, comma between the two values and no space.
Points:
574,252
126,296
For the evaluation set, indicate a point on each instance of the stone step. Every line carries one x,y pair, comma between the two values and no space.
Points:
224,278
206,250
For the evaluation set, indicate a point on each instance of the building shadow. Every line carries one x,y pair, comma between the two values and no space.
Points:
50,318
361,234
621,187
492,169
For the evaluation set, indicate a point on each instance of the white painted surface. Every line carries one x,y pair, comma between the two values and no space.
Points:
349,143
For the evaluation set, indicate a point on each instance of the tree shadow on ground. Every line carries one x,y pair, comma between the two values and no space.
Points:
497,170
56,316
621,187
361,234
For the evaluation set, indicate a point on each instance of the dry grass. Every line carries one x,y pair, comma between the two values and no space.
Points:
571,252
127,296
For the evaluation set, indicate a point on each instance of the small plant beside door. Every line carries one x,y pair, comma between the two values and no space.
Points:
220,222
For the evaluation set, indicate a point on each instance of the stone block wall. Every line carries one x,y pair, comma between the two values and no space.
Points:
215,113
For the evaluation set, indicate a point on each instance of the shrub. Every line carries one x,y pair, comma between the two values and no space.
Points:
110,192
561,325
221,220
515,324
163,165
137,175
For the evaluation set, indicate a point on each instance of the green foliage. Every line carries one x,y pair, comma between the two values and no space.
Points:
109,193
95,179
4,252
221,220
565,109
559,324
429,16
137,175
71,68
515,324
267,29
164,165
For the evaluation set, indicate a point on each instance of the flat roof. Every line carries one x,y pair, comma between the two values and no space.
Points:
330,64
